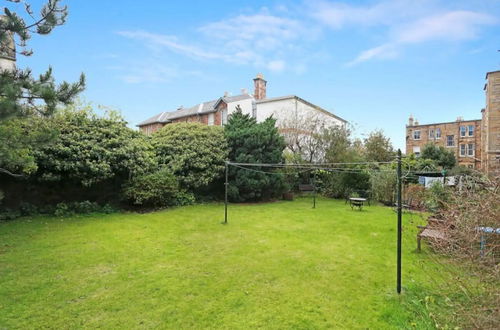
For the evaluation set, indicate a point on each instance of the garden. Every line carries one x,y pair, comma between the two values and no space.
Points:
276,265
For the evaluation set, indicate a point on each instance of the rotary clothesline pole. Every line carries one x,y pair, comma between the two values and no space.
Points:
226,184
399,179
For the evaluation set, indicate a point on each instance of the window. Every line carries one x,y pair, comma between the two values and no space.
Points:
471,130
470,149
416,135
224,117
211,119
463,150
438,133
463,130
431,134
416,151
450,140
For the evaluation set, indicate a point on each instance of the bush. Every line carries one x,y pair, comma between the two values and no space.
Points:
383,185
342,185
156,190
437,197
415,195
28,209
193,152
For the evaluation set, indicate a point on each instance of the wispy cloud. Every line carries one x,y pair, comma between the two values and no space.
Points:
261,40
406,22
286,38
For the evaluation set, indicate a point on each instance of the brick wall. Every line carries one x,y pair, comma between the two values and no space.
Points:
448,129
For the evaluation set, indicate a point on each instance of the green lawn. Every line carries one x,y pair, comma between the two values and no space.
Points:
275,265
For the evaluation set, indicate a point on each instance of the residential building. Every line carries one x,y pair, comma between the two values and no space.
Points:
216,112
463,137
491,125
475,143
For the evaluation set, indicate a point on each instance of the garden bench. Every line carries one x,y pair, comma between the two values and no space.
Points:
306,187
433,230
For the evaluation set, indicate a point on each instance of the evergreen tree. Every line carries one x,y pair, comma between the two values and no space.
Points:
21,94
252,142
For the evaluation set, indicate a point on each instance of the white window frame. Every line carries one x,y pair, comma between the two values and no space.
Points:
470,130
415,134
416,150
463,131
211,119
223,119
431,134
438,136
452,140
463,150
471,147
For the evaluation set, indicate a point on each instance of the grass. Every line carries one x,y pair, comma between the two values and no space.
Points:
275,265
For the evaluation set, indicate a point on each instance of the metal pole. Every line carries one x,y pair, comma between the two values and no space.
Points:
399,223
226,184
314,193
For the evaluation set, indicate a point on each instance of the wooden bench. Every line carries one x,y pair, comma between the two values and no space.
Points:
434,231
306,187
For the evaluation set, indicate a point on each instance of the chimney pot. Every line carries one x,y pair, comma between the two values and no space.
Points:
244,91
226,94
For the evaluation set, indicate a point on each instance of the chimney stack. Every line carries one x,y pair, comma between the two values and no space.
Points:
260,87
410,121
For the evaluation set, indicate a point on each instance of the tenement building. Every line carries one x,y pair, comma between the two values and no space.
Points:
476,143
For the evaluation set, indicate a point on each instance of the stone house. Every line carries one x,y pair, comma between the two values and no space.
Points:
476,143
216,112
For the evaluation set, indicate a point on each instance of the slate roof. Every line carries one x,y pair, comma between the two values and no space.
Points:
201,108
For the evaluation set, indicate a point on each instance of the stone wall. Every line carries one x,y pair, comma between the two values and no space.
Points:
491,126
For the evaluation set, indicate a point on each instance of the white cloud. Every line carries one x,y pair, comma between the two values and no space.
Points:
386,51
276,66
449,26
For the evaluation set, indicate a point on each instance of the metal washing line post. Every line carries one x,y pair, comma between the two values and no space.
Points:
399,206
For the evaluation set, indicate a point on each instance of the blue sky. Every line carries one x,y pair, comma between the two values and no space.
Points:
371,62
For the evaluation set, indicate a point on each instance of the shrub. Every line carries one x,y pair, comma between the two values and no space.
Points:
415,195
437,196
157,189
27,209
383,185
193,152
341,185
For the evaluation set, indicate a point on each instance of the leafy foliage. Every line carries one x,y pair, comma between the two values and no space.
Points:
252,142
443,157
157,189
90,149
378,147
195,153
383,184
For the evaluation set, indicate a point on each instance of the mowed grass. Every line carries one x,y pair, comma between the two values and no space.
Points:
275,265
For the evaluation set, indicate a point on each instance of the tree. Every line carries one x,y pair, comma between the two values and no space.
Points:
440,155
22,95
252,142
378,147
195,153
338,145
302,134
